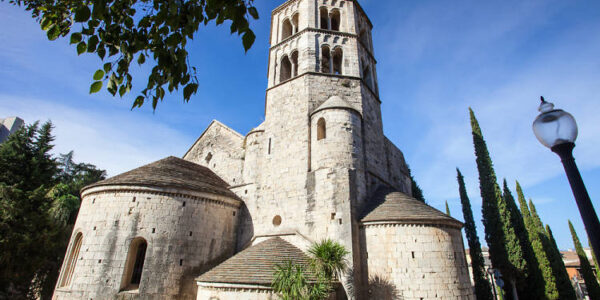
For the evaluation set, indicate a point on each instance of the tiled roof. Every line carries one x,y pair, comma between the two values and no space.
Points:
171,172
388,205
256,265
335,102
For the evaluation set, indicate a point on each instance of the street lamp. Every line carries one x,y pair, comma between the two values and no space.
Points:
557,130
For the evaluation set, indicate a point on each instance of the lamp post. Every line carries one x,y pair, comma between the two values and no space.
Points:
557,130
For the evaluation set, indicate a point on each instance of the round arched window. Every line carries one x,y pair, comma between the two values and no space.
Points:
277,220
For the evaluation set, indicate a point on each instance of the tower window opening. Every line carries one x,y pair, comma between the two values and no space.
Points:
337,61
295,18
325,60
321,129
134,264
286,29
324,18
285,72
295,64
334,20
71,261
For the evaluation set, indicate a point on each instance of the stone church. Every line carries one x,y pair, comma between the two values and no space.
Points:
213,224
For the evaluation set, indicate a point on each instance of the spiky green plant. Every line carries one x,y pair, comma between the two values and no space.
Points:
593,288
328,258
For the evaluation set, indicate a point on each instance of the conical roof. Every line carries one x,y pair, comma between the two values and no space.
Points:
335,102
256,265
388,205
171,172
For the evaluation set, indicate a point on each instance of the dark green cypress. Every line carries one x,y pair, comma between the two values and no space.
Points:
591,283
483,290
447,209
417,193
563,283
546,277
505,250
531,283
596,267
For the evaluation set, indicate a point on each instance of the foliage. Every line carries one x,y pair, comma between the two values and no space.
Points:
327,262
499,234
591,283
447,209
37,211
123,31
482,285
417,192
595,259
565,288
545,272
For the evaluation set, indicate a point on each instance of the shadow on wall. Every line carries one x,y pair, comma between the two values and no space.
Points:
383,289
245,230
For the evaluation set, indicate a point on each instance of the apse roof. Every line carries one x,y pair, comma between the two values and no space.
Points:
335,102
256,265
171,172
388,205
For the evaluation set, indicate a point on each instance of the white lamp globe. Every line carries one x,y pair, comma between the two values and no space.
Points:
554,126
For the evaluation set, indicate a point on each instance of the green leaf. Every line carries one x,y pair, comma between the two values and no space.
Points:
81,47
45,23
92,43
101,51
98,75
95,87
82,14
253,12
53,32
75,37
141,59
122,90
139,101
248,39
188,90
107,67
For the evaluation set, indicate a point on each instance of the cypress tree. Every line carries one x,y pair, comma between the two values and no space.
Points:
531,283
596,267
417,192
483,290
561,277
504,247
447,209
591,283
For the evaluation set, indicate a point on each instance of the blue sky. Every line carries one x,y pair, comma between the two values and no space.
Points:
435,59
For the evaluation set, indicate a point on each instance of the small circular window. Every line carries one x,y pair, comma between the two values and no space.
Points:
277,220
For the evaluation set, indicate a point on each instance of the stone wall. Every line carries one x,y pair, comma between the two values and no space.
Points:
187,233
416,262
235,293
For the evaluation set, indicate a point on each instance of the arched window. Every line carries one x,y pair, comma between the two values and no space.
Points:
134,264
294,63
71,261
324,18
285,70
321,129
325,59
286,29
338,57
366,75
295,18
334,20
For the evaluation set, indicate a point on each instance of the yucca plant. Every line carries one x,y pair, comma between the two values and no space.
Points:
328,258
290,281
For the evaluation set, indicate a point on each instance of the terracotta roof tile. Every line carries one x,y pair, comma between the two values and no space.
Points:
388,205
171,172
256,265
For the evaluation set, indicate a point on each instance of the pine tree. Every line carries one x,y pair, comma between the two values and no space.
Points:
505,250
591,283
447,209
531,285
483,290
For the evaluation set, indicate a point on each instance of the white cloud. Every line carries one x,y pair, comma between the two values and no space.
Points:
116,140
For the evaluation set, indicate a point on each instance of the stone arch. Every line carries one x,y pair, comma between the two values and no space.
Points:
134,264
285,69
71,261
295,22
286,29
294,57
334,20
325,59
337,59
323,18
321,129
